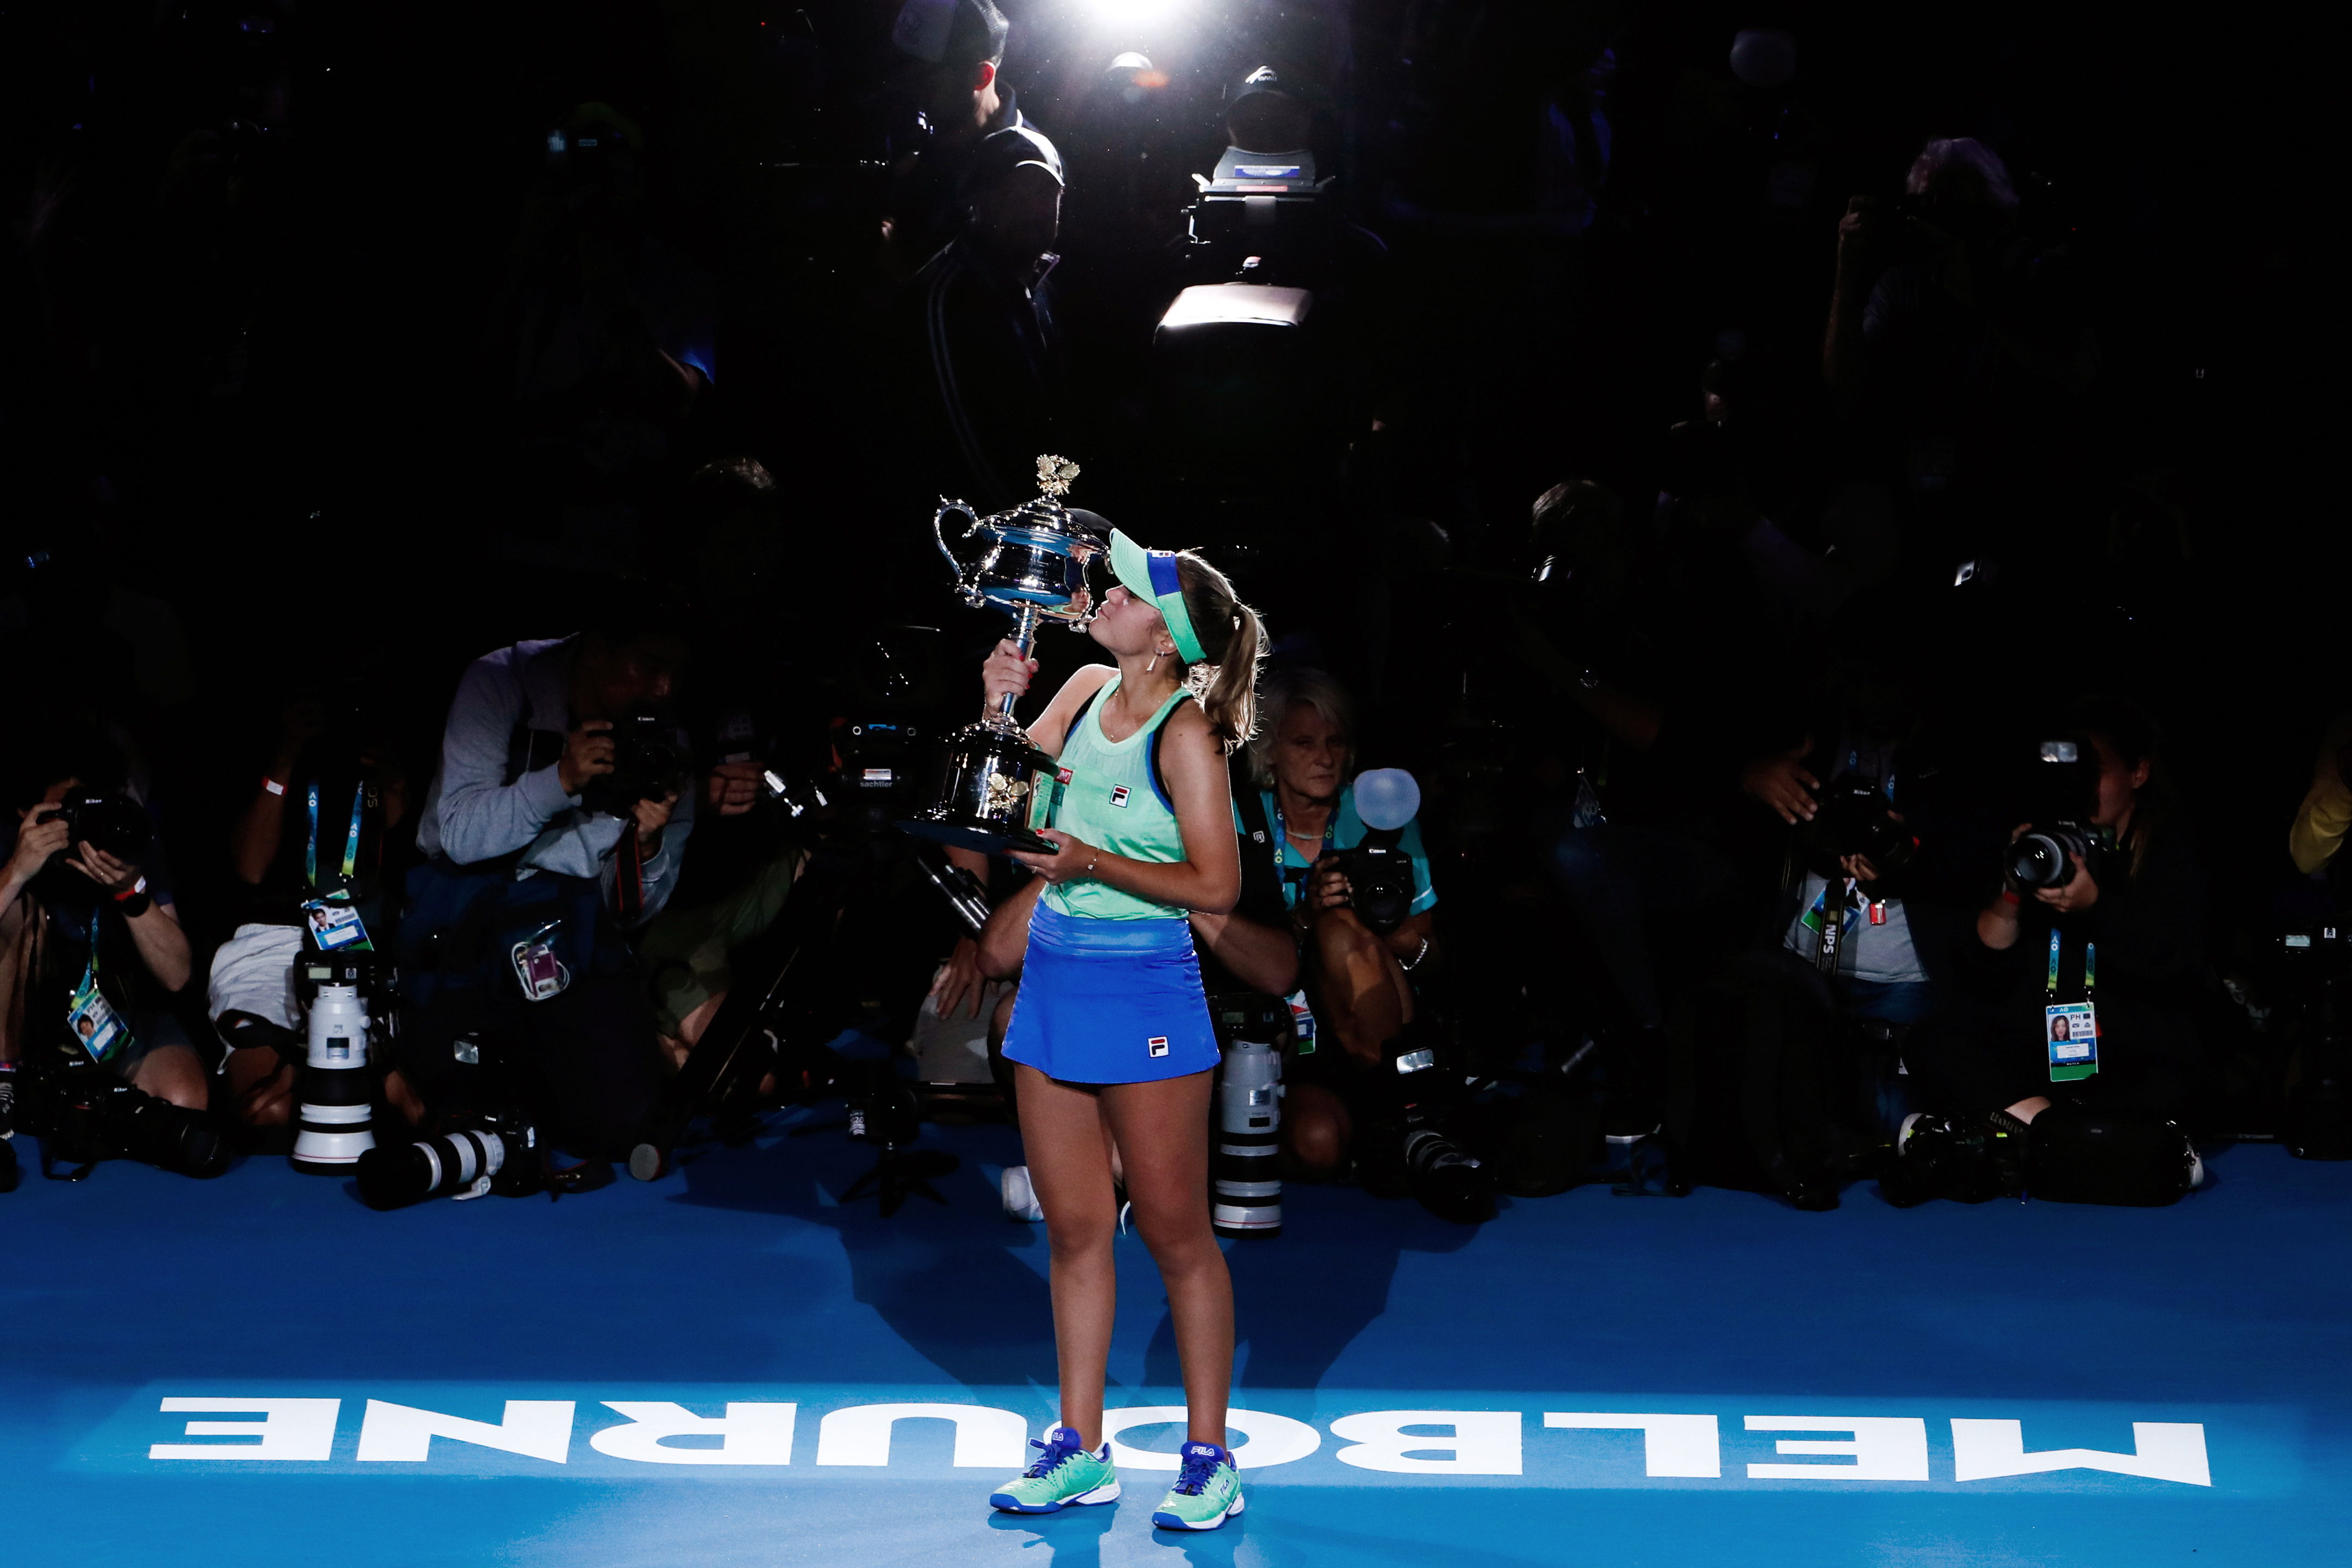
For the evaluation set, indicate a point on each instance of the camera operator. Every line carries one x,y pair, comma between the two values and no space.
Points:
981,329
1948,320
950,53
1666,704
1301,819
1876,884
749,706
89,940
313,830
554,830
2137,898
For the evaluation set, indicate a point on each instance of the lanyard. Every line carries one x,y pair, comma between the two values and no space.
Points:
350,843
93,944
2090,967
1291,874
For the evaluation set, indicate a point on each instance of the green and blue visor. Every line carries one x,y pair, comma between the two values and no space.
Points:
1151,574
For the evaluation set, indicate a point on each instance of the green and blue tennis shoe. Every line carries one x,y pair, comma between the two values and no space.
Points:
1064,1473
1208,1491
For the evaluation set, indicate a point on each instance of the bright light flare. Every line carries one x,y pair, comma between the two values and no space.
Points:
1128,12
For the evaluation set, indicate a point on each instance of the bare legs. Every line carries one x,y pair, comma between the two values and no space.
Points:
1363,987
174,1072
1317,1130
1161,1131
1062,1133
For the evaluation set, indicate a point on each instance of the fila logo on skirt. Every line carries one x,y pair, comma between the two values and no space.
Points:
1157,1045
1118,797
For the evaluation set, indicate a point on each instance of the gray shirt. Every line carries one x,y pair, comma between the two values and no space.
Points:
471,813
1880,952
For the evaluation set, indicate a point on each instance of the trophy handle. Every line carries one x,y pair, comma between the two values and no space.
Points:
1089,548
955,568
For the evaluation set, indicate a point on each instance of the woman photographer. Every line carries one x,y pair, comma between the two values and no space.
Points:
2123,932
1111,1034
89,940
1357,977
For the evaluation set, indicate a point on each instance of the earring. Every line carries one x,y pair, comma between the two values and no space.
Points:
1153,666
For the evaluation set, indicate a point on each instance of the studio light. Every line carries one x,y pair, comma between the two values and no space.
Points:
1128,13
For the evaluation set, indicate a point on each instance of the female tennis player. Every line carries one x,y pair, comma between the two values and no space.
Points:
1111,1034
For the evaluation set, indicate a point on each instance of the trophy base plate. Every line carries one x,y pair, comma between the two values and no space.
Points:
988,838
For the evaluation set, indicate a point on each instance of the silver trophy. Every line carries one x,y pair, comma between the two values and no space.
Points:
995,785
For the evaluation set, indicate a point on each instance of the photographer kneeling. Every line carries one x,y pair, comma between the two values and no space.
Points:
552,831
309,850
1830,1003
1355,962
92,958
2086,968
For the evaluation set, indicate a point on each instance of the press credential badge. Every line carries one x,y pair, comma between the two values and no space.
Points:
92,1018
335,926
2071,1030
93,1021
541,974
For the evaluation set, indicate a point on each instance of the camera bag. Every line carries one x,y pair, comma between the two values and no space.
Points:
2130,1158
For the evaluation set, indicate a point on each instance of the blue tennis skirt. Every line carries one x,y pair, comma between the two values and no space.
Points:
1110,1001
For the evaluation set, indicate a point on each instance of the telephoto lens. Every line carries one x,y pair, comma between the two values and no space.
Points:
1247,1198
493,1157
85,1115
1450,1182
157,1132
338,1090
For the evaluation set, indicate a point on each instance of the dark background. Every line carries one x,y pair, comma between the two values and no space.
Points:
253,312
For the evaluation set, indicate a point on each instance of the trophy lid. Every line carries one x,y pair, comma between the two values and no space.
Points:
1046,510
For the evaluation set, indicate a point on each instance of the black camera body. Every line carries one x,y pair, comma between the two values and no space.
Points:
84,1113
1854,818
1448,1180
115,824
2320,952
647,764
885,767
2316,968
2057,793
1379,879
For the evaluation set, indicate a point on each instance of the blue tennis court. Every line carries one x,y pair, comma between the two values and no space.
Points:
731,1366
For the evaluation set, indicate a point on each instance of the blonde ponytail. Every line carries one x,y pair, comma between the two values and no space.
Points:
1226,682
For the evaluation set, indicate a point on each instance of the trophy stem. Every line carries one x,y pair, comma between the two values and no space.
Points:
1024,637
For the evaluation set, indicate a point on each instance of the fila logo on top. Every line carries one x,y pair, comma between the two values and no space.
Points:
1118,797
1157,1045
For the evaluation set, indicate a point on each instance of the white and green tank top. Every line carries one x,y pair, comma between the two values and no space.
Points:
1108,793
